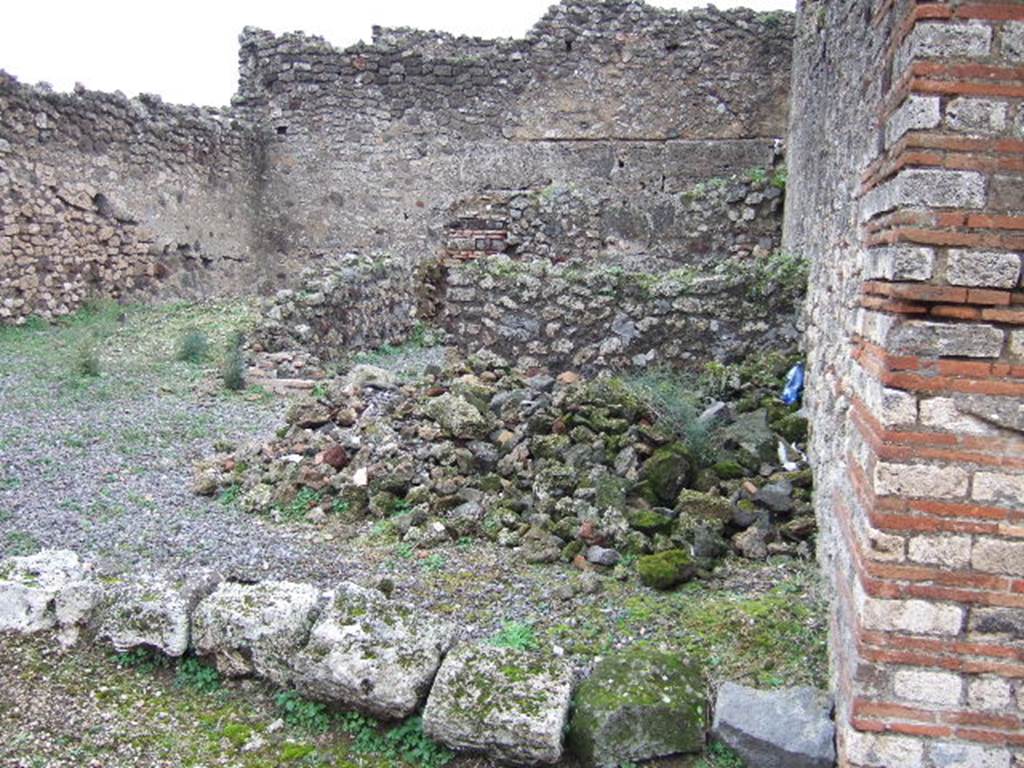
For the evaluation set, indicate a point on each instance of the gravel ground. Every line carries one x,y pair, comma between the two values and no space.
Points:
103,465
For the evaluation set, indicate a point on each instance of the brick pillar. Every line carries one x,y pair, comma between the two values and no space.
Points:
924,513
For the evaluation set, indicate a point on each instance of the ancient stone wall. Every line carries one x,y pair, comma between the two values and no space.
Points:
906,193
105,196
626,107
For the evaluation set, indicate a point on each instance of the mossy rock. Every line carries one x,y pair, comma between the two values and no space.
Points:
729,470
667,569
650,522
549,446
792,427
611,492
705,481
666,473
638,704
703,506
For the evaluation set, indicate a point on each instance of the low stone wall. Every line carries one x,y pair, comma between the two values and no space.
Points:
561,316
349,645
342,304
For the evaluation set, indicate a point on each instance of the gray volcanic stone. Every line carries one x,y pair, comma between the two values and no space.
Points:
371,653
637,705
512,705
457,416
788,728
255,628
31,589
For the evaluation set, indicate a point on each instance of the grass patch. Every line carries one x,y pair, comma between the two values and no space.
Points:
515,634
192,673
193,347
302,714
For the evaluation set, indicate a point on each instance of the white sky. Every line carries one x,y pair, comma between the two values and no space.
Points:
186,50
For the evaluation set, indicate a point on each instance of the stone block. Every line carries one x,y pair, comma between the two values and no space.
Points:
151,611
787,728
900,262
943,413
976,115
943,40
989,693
638,705
960,755
1013,40
942,689
371,653
918,617
926,188
916,112
999,488
255,628
946,551
928,339
998,621
987,269
43,591
998,556
511,705
920,480
872,750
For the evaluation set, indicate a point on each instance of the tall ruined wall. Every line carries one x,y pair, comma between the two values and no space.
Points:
105,196
906,182
379,147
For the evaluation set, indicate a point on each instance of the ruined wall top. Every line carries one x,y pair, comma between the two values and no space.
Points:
586,70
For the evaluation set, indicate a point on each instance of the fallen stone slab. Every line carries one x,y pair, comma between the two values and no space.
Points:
47,590
255,628
151,611
371,653
511,705
787,728
636,705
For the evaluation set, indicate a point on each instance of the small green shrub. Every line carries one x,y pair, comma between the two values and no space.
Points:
757,175
234,364
230,495
304,501
515,634
143,659
193,347
673,400
718,755
193,674
405,742
779,178
233,370
782,274
298,712
85,361
340,506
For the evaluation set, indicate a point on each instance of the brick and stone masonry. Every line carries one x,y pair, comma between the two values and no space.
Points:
907,191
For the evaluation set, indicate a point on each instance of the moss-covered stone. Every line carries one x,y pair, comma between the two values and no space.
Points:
549,446
728,470
667,569
703,506
637,705
650,522
792,427
666,472
610,492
